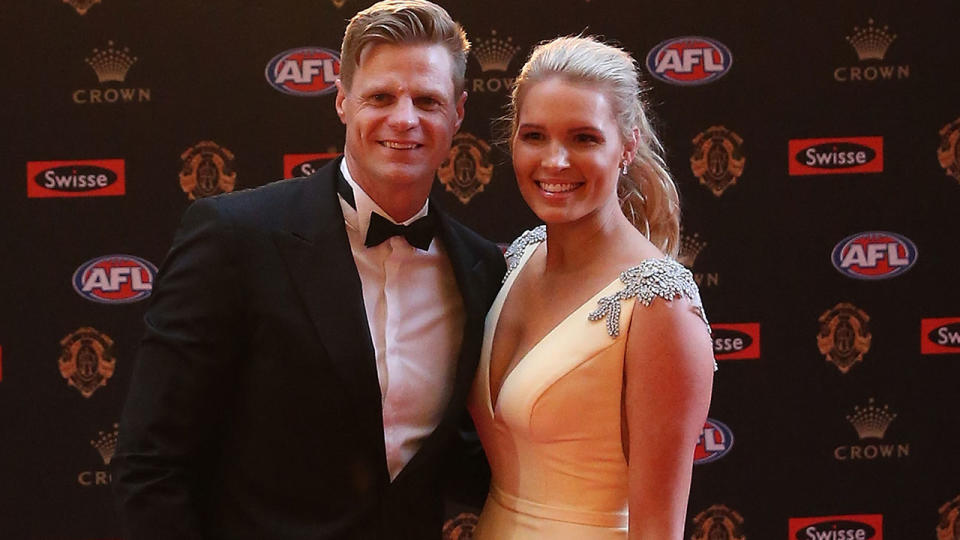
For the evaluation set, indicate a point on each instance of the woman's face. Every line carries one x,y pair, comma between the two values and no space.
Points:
567,151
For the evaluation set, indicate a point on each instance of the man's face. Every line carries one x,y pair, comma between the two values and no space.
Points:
401,113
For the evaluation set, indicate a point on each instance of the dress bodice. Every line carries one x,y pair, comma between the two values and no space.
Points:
553,436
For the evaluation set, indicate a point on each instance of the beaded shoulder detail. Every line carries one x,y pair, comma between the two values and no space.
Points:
664,277
514,253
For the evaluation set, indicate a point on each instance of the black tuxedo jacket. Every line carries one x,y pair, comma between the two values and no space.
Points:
255,408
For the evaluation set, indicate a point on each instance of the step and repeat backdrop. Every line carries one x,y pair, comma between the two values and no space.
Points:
816,149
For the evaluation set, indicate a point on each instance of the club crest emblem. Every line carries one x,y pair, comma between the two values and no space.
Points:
718,522
86,360
717,159
844,337
81,5
207,170
948,153
948,528
467,168
460,527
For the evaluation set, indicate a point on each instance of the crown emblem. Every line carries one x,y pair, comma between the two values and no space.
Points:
81,5
871,43
690,247
871,422
111,64
494,53
106,443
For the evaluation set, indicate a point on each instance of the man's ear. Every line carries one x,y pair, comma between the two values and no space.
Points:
341,95
460,109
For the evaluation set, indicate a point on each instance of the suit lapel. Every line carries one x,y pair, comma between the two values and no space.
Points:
317,253
473,280
471,276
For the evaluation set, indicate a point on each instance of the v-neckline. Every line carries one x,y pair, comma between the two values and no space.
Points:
497,310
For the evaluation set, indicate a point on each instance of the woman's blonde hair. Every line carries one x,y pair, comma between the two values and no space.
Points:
648,196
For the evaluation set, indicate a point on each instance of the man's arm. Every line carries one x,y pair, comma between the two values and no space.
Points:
181,380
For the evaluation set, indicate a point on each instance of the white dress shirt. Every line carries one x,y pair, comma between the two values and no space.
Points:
416,319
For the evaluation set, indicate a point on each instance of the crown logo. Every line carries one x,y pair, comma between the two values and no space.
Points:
690,247
494,53
111,64
106,443
871,43
871,422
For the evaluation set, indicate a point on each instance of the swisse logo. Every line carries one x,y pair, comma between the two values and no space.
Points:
874,255
295,165
847,527
715,441
307,71
78,178
115,279
940,335
689,60
732,341
841,155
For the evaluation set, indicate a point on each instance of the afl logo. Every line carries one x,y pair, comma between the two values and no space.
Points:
307,71
689,60
874,255
115,279
714,442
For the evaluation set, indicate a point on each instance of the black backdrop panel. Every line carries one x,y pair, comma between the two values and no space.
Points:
847,407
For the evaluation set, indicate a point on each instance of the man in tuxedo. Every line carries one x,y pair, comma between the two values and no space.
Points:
310,343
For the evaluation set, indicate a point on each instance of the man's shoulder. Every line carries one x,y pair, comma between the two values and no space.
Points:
269,204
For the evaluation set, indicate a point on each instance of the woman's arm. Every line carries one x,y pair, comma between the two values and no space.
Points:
668,373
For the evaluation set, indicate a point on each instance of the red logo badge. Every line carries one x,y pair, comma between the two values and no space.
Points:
940,335
838,155
848,527
735,341
295,165
76,178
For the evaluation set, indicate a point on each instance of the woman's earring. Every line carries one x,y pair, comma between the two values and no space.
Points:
624,170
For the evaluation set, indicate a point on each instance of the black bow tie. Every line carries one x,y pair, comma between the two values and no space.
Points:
419,234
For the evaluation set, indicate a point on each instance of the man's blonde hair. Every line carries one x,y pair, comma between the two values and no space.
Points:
403,21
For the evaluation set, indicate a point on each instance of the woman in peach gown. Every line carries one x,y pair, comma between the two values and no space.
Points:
596,369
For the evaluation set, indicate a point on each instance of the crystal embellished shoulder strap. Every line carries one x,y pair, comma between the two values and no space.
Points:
664,277
514,253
